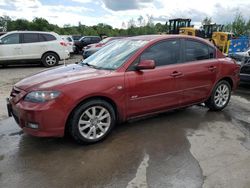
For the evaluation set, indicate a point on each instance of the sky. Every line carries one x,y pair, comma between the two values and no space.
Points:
115,12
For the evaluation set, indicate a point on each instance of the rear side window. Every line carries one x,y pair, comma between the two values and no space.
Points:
30,37
195,51
46,37
11,39
95,39
86,39
163,53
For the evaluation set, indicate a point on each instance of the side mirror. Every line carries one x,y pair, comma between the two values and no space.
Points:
146,64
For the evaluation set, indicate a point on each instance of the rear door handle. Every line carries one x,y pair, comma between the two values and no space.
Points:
17,48
212,68
176,73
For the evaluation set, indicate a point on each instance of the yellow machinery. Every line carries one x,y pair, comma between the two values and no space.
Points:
211,32
222,40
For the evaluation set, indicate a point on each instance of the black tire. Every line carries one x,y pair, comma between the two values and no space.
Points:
211,102
50,59
80,114
77,50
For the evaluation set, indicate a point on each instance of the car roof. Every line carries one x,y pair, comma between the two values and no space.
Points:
162,37
43,32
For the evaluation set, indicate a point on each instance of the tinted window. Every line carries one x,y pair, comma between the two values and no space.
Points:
11,39
95,39
87,39
76,37
46,37
163,53
30,37
197,51
211,52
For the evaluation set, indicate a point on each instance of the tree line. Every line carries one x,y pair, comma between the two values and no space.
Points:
239,26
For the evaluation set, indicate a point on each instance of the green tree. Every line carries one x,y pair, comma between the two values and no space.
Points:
239,25
206,21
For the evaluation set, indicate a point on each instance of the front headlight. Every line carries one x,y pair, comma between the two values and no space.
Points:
41,96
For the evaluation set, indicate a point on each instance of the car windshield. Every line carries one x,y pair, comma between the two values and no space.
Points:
114,55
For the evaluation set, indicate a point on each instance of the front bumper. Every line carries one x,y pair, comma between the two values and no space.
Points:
49,117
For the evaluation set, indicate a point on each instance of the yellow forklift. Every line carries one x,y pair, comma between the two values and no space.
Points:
176,24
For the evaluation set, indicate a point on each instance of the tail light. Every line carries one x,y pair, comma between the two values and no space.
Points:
63,43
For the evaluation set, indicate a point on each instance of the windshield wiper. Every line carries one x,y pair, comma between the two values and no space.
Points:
89,65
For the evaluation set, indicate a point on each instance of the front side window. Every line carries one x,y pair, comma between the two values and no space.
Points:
30,37
163,53
11,39
195,51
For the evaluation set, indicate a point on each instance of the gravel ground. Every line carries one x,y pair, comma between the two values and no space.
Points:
12,74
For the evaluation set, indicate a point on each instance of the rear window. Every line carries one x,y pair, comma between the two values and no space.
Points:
46,37
30,38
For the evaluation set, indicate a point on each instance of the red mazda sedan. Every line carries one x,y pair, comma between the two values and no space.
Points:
132,77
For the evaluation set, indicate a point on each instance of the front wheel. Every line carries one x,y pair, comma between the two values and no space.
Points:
220,96
92,121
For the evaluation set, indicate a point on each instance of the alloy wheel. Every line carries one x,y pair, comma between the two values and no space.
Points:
94,122
221,96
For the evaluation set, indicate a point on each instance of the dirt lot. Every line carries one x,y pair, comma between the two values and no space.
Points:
12,74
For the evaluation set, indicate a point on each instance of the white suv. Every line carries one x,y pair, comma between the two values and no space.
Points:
46,47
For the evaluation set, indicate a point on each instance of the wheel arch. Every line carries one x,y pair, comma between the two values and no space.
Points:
51,52
104,98
226,78
229,80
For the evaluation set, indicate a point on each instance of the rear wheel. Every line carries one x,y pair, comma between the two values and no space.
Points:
50,59
220,96
92,121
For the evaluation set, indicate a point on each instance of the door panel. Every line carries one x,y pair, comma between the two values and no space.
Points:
151,90
197,80
10,49
199,71
31,46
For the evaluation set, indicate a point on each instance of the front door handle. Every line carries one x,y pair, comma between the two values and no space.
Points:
176,74
17,48
212,68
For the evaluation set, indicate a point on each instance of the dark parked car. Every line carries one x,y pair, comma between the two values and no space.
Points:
84,41
136,77
243,58
93,48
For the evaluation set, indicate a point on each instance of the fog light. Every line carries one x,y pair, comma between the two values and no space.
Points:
32,125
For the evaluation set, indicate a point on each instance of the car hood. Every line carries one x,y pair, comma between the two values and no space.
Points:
60,76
